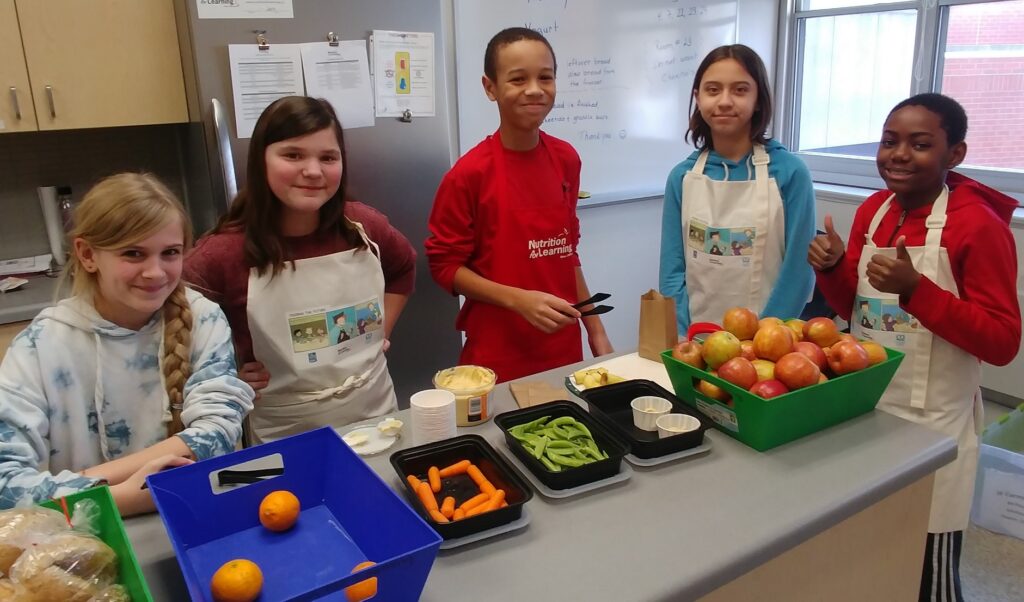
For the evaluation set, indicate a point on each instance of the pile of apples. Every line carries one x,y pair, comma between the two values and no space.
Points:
771,357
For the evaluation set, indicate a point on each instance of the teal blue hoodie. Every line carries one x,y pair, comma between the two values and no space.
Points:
796,278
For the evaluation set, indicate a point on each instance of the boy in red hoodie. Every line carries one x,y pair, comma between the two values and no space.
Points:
934,250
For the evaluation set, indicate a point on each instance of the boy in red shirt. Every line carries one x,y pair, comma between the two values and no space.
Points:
935,251
503,230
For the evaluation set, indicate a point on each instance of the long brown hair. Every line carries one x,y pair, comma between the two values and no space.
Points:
256,209
118,212
700,132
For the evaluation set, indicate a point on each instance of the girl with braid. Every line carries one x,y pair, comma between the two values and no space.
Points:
132,374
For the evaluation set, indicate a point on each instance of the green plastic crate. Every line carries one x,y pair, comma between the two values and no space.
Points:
766,423
112,533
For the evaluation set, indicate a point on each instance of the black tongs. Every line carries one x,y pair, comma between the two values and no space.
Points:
594,311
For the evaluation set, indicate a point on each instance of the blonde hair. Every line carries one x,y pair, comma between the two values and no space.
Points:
118,212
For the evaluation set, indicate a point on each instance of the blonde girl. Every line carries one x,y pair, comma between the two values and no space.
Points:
132,373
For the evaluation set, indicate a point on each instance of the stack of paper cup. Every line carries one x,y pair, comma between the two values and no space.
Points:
51,217
433,415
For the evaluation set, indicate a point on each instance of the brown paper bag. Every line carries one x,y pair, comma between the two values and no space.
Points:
658,330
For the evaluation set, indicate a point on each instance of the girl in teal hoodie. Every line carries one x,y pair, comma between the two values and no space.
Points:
739,191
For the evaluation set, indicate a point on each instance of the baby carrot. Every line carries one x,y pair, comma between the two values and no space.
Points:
413,481
457,468
438,517
475,510
434,476
480,480
459,514
448,506
474,502
495,502
426,496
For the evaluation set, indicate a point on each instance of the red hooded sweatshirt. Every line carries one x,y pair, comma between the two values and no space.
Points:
985,319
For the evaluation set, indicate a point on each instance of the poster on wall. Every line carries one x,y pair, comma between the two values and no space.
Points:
403,72
244,9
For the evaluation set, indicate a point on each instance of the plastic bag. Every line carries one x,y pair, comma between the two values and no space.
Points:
51,561
69,566
21,528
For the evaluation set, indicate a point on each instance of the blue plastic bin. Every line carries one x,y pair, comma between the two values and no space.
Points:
348,515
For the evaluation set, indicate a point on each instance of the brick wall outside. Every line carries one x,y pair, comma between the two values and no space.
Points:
985,73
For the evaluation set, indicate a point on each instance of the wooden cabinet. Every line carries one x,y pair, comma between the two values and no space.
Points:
16,111
100,63
7,334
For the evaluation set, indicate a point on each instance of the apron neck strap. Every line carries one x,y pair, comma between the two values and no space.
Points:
760,160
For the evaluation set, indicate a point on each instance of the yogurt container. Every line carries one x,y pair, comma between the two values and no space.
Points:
471,386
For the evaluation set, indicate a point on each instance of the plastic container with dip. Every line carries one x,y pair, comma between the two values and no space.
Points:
471,385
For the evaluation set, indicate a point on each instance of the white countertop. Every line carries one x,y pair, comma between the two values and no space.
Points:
674,532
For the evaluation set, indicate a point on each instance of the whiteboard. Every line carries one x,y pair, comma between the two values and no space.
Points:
625,71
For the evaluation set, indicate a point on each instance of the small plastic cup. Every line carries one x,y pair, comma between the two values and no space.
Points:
646,410
675,424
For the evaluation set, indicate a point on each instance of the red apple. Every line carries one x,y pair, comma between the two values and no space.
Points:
772,342
876,353
797,326
769,321
689,352
813,352
739,371
845,336
713,391
741,322
821,331
765,369
747,350
720,347
796,371
822,379
845,357
766,389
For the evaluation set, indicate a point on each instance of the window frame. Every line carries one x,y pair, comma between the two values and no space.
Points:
932,26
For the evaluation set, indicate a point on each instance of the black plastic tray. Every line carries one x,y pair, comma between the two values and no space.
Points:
570,477
417,460
610,405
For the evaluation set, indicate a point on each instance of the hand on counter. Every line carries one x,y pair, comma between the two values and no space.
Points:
130,496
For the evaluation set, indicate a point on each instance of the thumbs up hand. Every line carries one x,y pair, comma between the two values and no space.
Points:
826,249
896,276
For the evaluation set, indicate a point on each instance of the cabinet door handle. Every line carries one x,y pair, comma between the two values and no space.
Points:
49,97
14,101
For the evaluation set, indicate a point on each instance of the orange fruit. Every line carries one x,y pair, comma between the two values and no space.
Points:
365,589
279,510
237,580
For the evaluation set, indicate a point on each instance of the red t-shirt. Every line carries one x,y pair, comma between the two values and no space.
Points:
217,266
985,319
463,221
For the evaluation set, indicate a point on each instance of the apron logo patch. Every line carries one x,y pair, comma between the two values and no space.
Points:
555,246
311,357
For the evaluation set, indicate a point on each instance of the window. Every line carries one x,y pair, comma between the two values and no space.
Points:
849,61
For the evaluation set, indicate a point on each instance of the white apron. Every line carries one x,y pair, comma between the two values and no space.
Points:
735,238
319,330
938,384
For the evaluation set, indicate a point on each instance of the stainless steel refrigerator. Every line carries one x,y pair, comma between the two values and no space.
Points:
393,166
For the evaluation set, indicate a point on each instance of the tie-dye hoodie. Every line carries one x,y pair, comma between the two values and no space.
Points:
77,391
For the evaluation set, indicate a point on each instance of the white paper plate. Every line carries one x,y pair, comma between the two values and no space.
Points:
631,367
376,441
625,472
